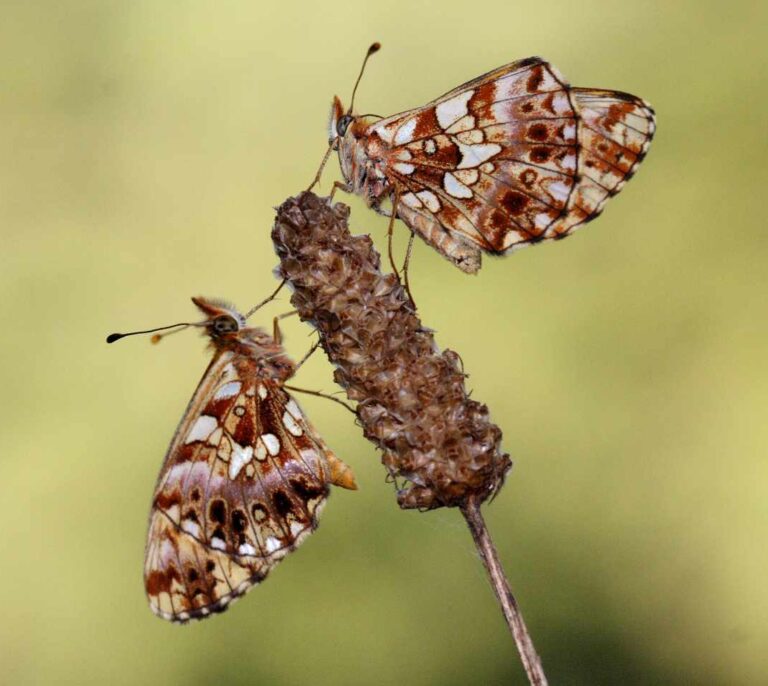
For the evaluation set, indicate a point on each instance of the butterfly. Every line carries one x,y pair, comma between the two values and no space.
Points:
513,157
243,481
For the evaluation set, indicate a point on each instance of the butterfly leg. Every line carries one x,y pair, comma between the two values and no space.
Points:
266,300
307,356
346,187
406,262
316,180
277,335
390,233
320,394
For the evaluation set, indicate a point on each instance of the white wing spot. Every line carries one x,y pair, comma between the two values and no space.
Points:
542,220
272,443
403,168
296,528
561,104
454,187
228,390
294,409
192,528
272,544
261,450
291,424
411,200
239,411
559,191
405,132
569,162
451,110
430,200
262,391
246,549
203,427
384,133
240,457
475,155
430,147
218,543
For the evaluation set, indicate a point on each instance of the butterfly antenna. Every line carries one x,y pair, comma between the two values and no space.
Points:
375,47
183,325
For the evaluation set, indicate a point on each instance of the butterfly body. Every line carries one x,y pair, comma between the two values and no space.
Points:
514,157
243,481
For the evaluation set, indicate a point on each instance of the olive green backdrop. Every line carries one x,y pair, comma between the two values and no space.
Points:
143,146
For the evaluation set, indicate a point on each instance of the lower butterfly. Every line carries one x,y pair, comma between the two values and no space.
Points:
243,481
511,158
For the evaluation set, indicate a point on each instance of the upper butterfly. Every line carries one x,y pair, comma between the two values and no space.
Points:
243,481
513,157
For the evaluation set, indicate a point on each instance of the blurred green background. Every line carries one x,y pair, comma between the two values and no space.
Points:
143,147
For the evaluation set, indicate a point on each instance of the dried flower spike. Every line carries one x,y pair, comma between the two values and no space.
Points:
412,400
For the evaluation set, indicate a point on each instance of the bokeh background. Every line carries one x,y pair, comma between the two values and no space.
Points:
143,146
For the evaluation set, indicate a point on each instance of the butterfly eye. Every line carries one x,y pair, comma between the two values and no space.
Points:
225,324
343,124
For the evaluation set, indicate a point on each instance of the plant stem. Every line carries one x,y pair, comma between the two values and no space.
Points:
500,585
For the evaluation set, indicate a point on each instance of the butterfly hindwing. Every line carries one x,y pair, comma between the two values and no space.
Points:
615,132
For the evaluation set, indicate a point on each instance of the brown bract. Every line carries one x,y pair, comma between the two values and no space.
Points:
412,399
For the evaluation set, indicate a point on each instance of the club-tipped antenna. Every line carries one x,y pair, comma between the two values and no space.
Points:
375,47
183,325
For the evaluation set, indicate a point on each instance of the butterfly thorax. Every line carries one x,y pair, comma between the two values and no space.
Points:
362,158
257,347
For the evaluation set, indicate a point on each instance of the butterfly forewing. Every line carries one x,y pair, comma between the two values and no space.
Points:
242,485
513,157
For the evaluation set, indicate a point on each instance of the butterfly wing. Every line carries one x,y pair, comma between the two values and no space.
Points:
242,485
615,132
503,161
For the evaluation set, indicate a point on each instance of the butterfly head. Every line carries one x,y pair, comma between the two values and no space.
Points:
339,122
221,318
226,326
348,134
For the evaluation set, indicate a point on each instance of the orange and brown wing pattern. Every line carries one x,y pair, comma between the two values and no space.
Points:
242,485
615,132
185,580
508,159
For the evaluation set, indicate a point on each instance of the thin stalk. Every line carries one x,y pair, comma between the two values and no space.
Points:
512,615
